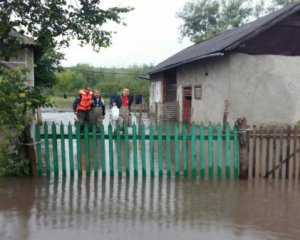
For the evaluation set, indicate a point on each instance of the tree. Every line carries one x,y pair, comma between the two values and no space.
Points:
203,19
69,81
52,24
281,3
17,100
90,73
45,68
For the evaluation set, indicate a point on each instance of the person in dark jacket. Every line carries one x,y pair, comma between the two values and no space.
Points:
98,109
123,103
82,106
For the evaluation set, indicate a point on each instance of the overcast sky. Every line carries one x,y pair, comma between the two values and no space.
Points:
151,36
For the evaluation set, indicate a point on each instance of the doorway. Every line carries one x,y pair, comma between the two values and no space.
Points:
187,105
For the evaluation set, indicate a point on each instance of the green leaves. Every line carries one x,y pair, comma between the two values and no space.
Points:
45,68
52,24
69,82
204,19
17,100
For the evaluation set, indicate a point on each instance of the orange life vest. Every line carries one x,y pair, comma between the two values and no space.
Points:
85,101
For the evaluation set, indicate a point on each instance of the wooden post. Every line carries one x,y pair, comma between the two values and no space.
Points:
261,146
140,116
39,116
288,152
241,122
177,112
254,153
225,114
156,113
29,146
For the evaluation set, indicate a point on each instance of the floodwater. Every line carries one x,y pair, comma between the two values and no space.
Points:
69,117
146,208
137,208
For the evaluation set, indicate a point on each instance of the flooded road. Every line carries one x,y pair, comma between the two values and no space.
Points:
129,208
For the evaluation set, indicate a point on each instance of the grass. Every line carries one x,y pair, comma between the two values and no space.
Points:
62,103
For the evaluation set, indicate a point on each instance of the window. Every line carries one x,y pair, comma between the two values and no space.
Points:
198,92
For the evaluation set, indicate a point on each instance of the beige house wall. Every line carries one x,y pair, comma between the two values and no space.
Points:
264,88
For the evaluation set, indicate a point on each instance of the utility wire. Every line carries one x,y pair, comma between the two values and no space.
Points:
93,71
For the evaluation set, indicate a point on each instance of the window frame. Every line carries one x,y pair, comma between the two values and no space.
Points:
197,94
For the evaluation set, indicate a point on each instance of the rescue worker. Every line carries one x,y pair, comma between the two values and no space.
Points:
123,103
82,106
98,109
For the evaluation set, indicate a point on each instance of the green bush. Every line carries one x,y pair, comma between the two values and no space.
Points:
17,100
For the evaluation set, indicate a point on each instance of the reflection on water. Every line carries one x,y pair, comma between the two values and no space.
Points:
129,208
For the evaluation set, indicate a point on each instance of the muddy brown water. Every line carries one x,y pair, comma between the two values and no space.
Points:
128,208
143,208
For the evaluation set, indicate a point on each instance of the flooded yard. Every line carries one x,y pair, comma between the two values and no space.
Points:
137,208
146,208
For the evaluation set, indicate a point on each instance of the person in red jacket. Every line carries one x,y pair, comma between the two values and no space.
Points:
82,106
124,103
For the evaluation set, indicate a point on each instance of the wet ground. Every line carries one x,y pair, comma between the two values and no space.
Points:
128,208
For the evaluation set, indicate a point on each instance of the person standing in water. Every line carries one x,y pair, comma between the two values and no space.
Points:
82,106
123,103
98,109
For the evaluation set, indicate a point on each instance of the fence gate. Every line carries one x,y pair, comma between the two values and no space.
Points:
196,151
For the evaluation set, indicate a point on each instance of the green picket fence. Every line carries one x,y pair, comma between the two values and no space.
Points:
187,151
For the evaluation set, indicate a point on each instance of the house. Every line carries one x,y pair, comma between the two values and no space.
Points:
254,69
26,56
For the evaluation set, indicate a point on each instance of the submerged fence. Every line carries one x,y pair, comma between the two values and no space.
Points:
147,151
274,152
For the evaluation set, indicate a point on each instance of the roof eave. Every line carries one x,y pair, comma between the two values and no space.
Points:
218,54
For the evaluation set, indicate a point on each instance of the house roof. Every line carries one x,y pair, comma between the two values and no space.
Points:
26,41
226,41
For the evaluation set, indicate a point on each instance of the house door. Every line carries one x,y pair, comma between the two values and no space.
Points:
187,105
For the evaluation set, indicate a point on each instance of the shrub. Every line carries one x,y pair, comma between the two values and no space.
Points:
17,100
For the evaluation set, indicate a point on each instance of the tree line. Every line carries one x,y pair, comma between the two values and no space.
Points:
108,80
204,19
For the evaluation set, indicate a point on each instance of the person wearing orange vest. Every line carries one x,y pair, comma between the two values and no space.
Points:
82,106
